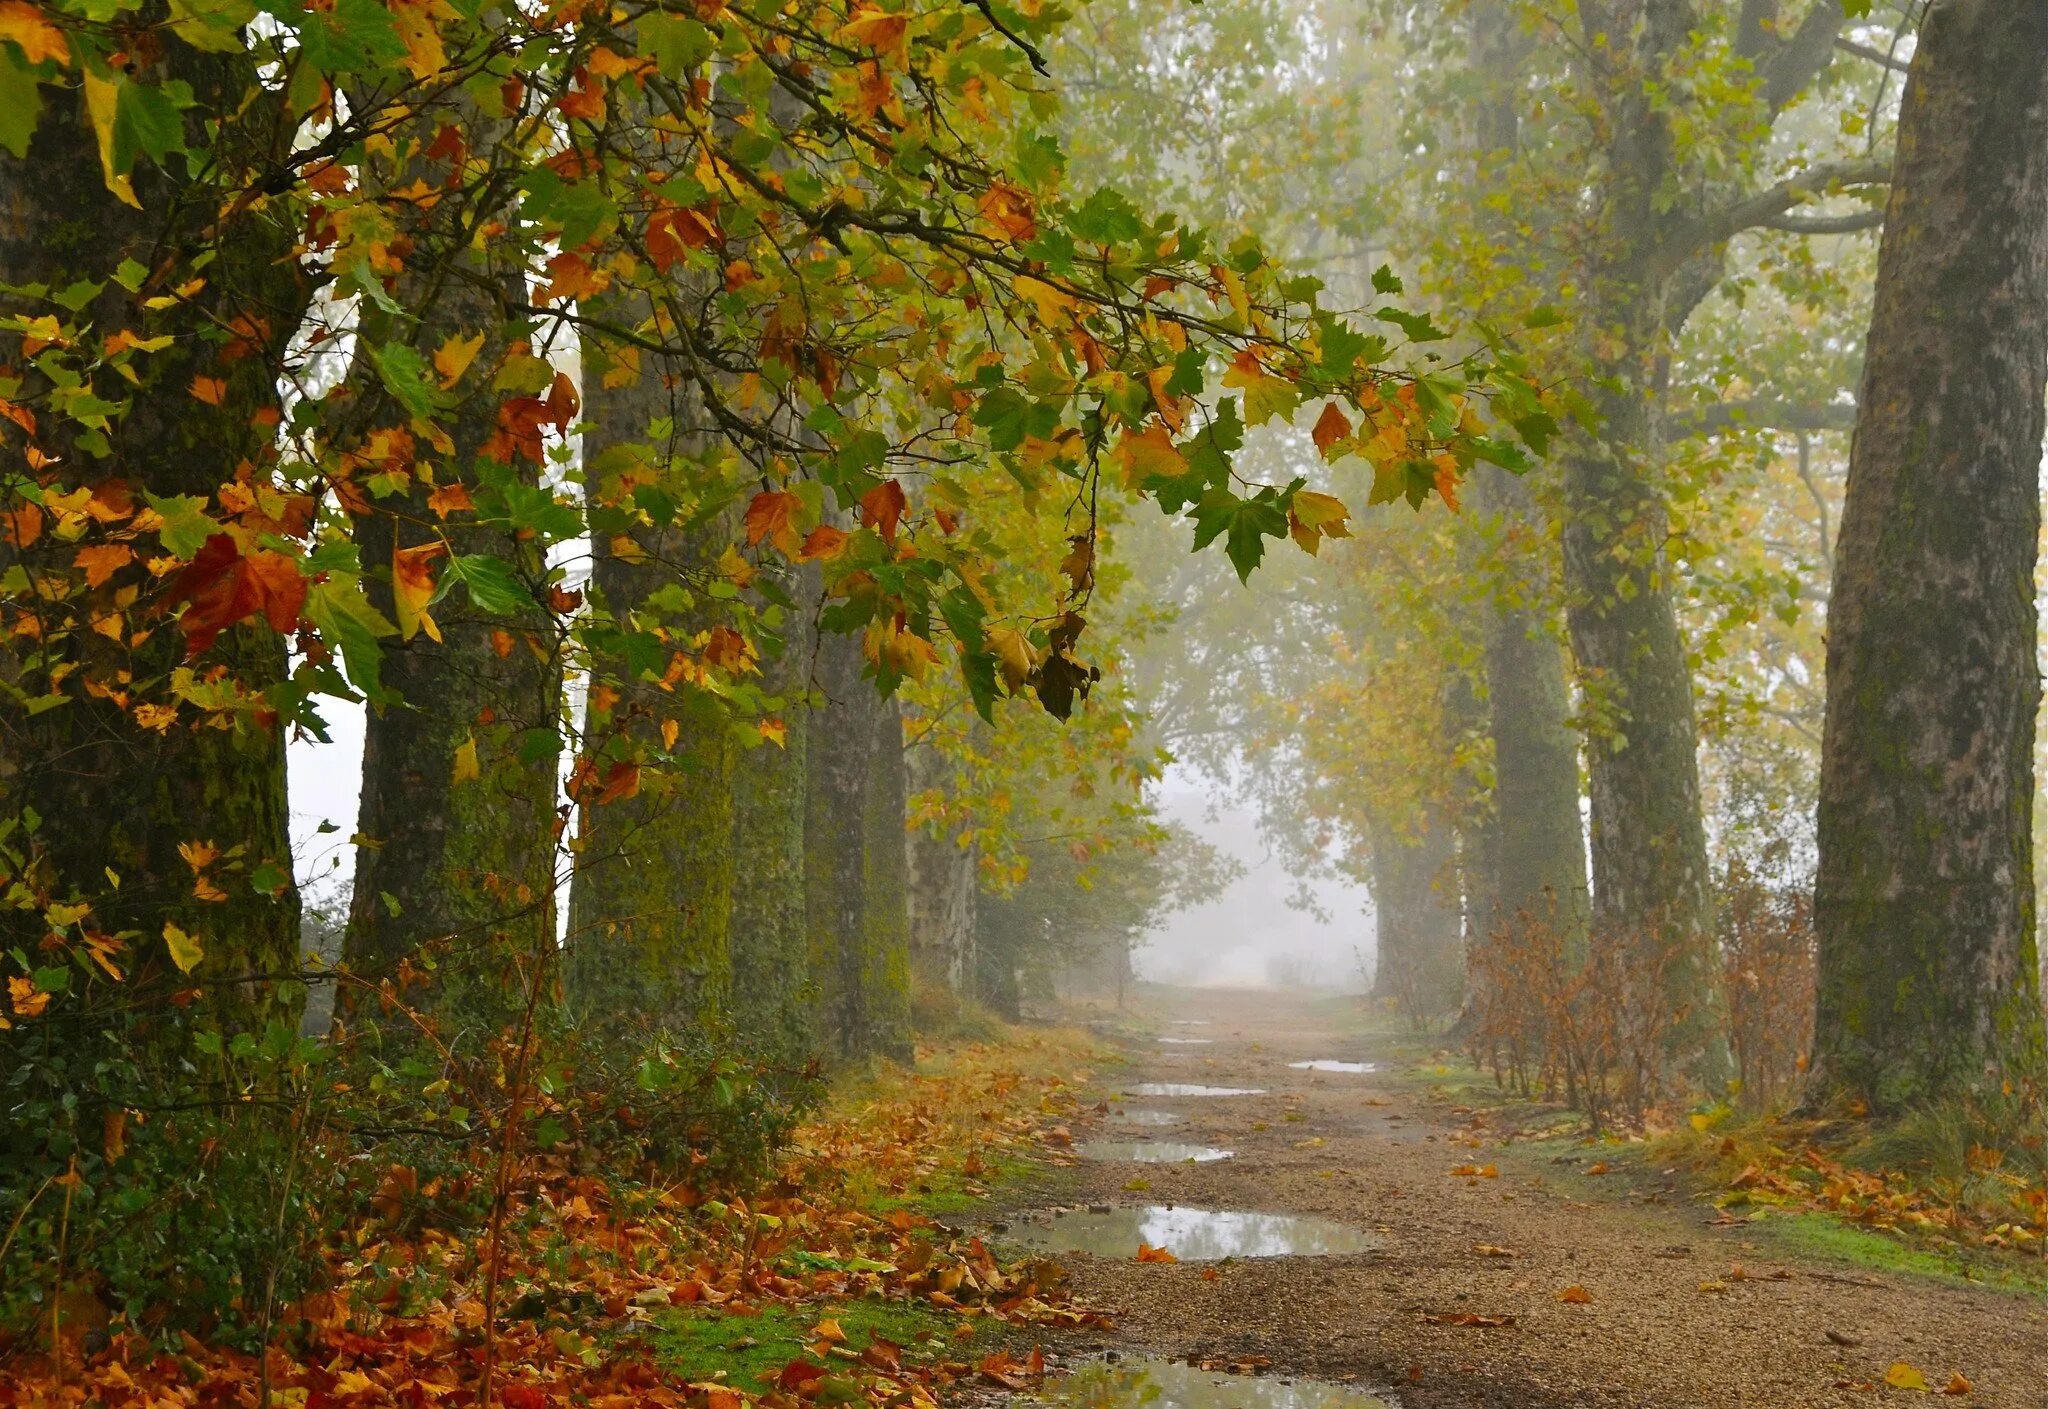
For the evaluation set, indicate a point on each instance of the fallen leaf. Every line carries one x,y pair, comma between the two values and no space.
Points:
1148,1253
1903,1375
1576,1295
1467,1318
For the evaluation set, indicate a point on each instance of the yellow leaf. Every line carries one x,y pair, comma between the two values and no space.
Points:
452,358
412,587
1013,655
1314,517
1905,1376
466,767
1149,454
28,1000
185,950
102,97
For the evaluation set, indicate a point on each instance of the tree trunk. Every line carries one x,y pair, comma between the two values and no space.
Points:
886,839
1418,924
770,942
944,885
651,901
843,734
456,872
1540,843
1924,904
87,794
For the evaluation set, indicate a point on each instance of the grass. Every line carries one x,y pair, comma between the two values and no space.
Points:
711,1343
1825,1237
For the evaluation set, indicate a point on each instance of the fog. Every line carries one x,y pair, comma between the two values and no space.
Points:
1254,935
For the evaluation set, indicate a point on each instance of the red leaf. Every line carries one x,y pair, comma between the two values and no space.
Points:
882,508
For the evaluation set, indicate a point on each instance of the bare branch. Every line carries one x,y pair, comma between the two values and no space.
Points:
1764,206
1876,56
1768,415
1848,224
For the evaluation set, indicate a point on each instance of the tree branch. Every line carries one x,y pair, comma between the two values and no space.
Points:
1799,59
1848,224
1763,207
1876,56
1769,415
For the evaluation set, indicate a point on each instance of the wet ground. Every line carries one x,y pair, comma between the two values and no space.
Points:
1153,1382
1150,1151
1449,1297
1189,1234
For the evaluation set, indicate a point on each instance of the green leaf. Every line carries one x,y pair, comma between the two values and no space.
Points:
21,101
407,377
1385,280
346,620
492,584
1243,524
676,43
186,526
356,36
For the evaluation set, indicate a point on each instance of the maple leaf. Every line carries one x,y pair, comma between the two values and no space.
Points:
29,28
100,561
184,949
28,1000
451,498
823,542
1149,454
1331,427
1575,1295
1148,1253
222,586
1904,1375
412,587
881,508
1312,517
211,390
769,516
452,357
1009,213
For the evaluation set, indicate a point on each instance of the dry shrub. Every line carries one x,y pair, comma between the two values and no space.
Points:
1767,956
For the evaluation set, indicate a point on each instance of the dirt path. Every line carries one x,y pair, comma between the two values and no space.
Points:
1354,1148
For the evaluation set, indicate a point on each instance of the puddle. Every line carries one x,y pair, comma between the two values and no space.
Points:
1140,1115
1151,1152
1149,1382
1190,1022
1182,1088
1187,1041
1327,1064
1190,1234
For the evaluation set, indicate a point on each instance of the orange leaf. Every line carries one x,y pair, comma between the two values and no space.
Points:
211,390
824,541
450,499
100,561
28,26
882,508
768,516
1148,1253
412,587
1576,1295
1331,427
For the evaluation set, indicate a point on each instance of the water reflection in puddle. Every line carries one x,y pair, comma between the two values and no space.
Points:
1182,1088
1190,1234
1148,1382
1187,1041
1327,1064
1190,1022
1141,1115
1151,1152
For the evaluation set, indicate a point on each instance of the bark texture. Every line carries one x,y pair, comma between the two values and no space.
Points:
651,902
855,871
944,884
770,942
83,789
1925,900
456,874
1418,918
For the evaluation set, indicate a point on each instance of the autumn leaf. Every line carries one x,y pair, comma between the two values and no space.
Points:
1149,454
881,32
1476,1171
211,390
412,587
1008,211
1148,1253
28,1000
452,357
881,508
1493,1250
1469,1319
1312,517
184,948
769,516
1958,1383
466,766
823,542
1904,1375
100,561
1575,1295
1331,427
451,498
28,27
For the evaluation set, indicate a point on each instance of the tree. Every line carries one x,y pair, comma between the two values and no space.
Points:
1925,902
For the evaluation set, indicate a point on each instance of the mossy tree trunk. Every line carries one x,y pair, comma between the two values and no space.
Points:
456,873
1418,923
944,885
651,900
1540,844
859,940
1924,905
771,961
87,793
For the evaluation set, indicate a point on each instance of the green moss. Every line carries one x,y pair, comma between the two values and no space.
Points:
701,1343
950,1191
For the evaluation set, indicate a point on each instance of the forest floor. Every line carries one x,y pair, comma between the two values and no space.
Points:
1459,1304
